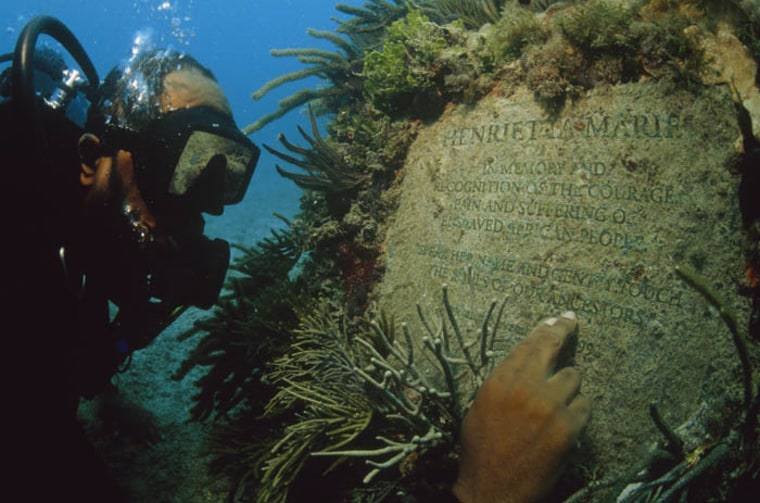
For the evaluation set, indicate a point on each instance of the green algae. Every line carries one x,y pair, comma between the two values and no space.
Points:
393,65
404,69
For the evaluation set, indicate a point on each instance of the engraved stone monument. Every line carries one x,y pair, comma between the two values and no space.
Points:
589,212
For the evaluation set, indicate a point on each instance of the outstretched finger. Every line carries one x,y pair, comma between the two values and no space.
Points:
545,343
536,356
565,384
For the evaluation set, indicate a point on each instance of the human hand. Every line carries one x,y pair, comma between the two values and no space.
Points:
524,422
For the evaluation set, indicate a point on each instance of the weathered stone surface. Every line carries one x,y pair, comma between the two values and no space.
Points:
729,62
590,213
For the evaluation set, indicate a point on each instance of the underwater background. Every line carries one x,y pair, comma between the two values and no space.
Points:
233,38
267,373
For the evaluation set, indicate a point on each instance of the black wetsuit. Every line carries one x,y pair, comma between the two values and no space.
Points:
57,344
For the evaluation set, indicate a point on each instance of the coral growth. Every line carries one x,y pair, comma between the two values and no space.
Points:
327,170
551,72
359,269
355,397
598,27
370,21
472,13
418,56
342,68
405,68
320,400
300,298
516,29
250,324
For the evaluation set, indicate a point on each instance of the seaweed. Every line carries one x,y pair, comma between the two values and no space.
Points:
380,58
326,169
353,395
476,13
603,26
339,68
249,325
517,28
665,49
473,13
551,72
602,42
370,21
302,393
403,74
355,36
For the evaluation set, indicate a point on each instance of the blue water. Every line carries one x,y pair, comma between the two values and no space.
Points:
233,38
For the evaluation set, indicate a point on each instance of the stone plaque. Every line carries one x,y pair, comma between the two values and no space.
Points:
589,212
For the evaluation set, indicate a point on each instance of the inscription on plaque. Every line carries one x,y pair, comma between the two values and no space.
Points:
538,199
589,212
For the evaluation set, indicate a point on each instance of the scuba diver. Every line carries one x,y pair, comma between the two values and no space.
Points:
106,189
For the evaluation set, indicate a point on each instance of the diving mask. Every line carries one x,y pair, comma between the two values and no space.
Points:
186,162
197,155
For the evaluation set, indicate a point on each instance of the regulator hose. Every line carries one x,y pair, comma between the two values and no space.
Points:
24,96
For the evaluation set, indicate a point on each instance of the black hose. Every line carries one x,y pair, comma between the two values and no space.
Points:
23,59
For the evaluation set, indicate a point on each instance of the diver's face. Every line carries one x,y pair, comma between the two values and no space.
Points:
147,246
111,178
112,189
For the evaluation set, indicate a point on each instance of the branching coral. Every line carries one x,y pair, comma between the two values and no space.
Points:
358,394
245,329
341,68
315,378
369,22
327,170
473,13
598,26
